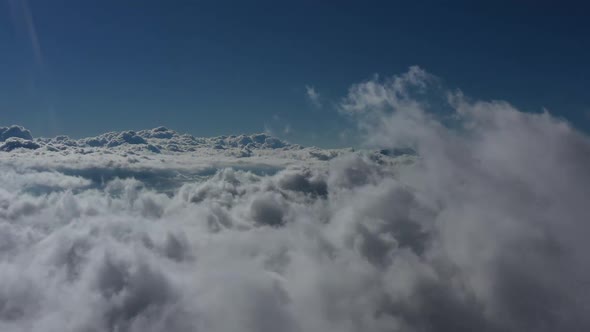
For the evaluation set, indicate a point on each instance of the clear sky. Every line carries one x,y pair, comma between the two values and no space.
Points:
228,67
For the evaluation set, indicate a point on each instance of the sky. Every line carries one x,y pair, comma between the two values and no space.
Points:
209,68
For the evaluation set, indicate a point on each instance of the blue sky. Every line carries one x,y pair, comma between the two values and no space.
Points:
227,67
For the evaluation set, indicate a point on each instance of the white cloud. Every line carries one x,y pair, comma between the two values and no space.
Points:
14,131
313,96
484,230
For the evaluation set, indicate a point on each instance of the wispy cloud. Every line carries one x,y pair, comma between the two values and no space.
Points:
288,130
313,96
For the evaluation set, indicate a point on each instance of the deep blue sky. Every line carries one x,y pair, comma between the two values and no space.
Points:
229,67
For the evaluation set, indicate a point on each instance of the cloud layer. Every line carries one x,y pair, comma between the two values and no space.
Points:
473,218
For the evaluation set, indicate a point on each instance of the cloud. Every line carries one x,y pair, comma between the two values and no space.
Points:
508,185
482,227
14,132
313,96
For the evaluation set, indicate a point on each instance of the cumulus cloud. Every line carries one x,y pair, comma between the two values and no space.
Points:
14,131
510,191
471,219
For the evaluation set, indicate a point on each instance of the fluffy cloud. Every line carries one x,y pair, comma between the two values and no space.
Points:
477,224
509,190
14,131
